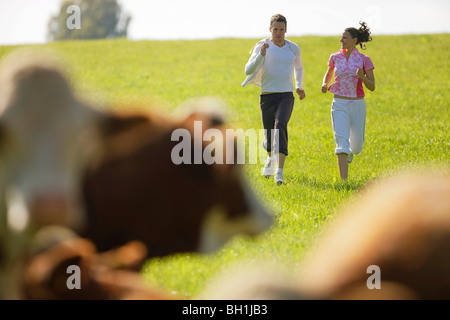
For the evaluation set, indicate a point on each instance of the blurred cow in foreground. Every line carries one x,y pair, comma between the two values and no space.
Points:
107,176
47,137
138,193
392,242
72,268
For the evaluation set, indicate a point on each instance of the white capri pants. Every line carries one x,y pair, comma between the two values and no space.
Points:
348,118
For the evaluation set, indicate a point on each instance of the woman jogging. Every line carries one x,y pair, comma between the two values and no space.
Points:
348,110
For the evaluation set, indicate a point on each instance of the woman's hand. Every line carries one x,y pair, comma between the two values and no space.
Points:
368,79
360,73
327,78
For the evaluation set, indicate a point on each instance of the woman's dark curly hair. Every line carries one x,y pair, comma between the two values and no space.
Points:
362,34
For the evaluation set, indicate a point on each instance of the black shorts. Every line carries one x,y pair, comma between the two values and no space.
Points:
276,110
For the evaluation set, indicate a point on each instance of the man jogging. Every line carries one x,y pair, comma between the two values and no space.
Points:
271,66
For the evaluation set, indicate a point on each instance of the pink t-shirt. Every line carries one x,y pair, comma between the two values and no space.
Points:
346,82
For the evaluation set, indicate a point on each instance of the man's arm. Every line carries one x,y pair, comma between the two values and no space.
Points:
256,58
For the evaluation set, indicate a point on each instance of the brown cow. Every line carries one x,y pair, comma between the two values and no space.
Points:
143,195
392,242
64,266
109,177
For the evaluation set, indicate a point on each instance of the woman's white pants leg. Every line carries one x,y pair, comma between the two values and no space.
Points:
348,118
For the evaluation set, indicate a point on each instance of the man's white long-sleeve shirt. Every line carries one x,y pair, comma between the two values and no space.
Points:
273,72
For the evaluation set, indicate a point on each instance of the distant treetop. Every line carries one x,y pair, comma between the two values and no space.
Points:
88,19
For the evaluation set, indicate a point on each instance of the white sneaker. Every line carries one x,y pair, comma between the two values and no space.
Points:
269,168
350,157
279,178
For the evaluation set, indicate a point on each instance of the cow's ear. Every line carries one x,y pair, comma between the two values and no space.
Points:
209,119
211,112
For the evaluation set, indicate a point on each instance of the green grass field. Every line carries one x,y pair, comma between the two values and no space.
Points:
407,127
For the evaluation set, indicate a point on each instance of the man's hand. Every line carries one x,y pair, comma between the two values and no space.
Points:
301,93
264,48
324,88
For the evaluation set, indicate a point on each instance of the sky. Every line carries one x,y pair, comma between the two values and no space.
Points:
25,21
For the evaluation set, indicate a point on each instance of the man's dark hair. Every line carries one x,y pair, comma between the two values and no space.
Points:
278,18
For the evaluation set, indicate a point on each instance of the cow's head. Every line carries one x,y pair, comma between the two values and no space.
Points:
146,193
47,137
236,209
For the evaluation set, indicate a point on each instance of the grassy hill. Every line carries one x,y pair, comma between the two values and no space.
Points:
407,127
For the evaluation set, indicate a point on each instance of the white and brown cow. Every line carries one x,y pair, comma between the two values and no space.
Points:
46,137
141,194
107,176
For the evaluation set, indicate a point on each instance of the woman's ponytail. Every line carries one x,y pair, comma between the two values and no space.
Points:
362,34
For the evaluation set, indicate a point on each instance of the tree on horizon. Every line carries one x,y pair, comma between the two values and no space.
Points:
98,19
